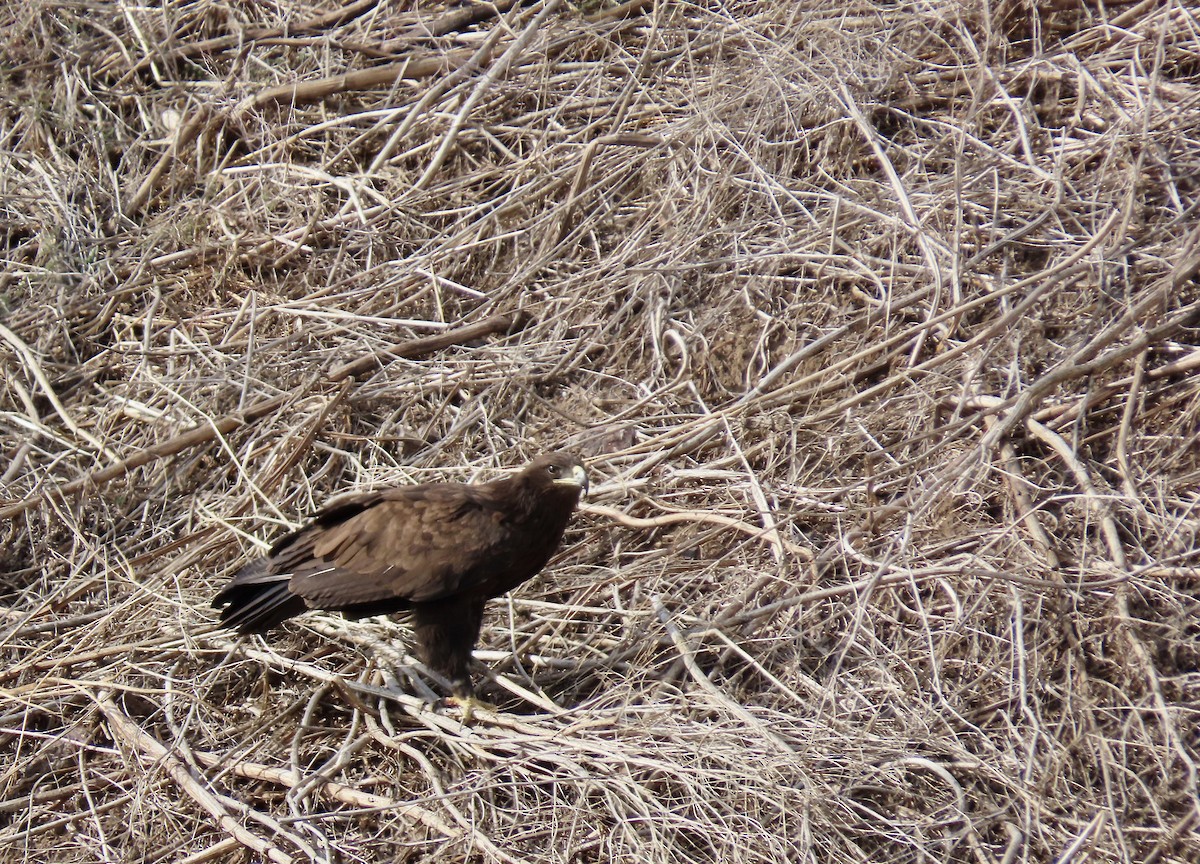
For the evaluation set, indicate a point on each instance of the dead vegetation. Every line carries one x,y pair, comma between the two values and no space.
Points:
877,322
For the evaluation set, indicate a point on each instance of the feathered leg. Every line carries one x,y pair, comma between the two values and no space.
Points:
446,632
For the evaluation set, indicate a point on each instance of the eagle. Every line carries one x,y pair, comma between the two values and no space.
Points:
435,551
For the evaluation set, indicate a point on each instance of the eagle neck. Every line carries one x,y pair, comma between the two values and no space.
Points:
547,507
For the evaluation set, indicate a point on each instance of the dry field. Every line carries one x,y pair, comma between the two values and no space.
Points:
878,324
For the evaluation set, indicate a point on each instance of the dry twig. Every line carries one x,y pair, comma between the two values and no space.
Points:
904,295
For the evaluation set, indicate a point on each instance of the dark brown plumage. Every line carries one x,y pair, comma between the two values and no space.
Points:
438,551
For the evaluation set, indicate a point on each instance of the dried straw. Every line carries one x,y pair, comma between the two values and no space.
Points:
878,324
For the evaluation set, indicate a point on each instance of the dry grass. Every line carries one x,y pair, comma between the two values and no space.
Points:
877,322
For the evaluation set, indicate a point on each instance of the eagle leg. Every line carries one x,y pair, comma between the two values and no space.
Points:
446,632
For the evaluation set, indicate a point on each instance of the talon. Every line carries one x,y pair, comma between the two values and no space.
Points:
469,704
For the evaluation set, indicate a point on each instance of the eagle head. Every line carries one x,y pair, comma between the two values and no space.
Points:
560,473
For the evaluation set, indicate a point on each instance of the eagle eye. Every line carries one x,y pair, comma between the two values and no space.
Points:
553,470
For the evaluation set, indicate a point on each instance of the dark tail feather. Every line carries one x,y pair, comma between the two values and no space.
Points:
256,601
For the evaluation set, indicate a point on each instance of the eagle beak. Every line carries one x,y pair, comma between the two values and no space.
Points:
577,477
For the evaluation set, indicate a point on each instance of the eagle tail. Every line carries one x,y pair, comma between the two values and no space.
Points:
257,600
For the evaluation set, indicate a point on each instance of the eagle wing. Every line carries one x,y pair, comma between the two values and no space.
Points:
407,545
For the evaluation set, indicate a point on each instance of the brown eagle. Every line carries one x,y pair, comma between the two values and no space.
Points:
437,551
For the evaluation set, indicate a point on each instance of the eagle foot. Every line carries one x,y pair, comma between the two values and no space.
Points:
469,704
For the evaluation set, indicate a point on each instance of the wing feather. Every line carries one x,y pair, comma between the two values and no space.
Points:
409,545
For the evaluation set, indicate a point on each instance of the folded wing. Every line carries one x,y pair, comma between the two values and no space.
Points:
371,554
